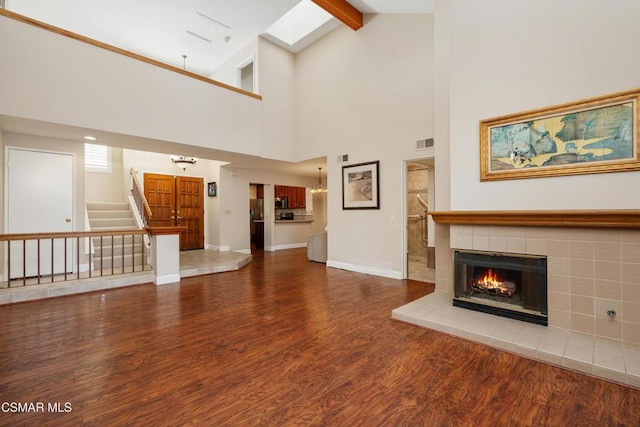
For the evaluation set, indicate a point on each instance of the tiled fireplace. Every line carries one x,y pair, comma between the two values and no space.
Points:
593,296
590,272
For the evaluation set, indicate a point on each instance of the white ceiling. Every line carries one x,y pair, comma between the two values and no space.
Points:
206,31
168,29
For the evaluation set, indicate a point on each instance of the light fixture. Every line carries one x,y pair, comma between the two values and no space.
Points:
320,188
90,138
183,162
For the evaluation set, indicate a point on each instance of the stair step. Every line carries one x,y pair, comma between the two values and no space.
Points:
106,241
100,223
117,261
117,249
107,206
109,214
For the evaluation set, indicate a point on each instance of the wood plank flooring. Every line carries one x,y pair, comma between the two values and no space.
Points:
280,342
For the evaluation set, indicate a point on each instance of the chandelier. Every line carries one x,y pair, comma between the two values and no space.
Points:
183,162
320,187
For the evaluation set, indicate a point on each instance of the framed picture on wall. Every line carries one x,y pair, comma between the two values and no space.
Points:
361,186
595,135
212,189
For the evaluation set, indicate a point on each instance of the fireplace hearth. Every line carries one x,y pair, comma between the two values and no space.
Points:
508,285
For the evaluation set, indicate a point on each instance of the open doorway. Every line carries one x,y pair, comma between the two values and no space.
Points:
246,76
420,249
256,216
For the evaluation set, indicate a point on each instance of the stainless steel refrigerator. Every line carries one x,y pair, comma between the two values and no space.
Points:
256,213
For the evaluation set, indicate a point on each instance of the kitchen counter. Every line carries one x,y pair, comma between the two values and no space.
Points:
279,221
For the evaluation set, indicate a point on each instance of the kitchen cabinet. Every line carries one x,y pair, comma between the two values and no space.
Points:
296,195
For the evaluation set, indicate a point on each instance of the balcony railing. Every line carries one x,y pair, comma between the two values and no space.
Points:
140,199
36,258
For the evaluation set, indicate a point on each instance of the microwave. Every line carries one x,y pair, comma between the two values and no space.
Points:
282,202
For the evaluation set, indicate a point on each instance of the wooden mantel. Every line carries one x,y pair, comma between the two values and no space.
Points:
626,218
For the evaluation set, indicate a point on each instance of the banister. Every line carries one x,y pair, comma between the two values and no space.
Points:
122,240
138,196
39,24
71,234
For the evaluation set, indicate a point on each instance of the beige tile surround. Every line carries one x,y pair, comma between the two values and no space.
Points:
590,270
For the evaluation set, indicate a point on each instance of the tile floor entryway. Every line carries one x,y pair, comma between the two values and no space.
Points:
192,263
604,358
207,261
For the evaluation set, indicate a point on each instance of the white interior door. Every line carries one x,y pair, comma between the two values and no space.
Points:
39,200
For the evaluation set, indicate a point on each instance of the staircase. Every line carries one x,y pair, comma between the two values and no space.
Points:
108,254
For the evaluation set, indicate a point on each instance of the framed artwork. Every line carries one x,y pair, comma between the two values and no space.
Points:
212,189
361,186
596,135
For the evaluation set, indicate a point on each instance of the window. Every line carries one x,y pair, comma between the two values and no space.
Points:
97,158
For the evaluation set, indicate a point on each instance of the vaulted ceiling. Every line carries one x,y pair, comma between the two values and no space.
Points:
206,31
195,34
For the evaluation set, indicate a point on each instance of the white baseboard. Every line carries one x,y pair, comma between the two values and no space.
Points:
169,278
243,251
391,274
287,246
219,248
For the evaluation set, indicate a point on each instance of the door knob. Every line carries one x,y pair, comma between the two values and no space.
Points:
67,220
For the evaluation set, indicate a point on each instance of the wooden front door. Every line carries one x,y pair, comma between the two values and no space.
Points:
177,201
190,201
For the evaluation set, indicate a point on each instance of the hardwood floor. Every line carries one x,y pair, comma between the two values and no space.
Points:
280,342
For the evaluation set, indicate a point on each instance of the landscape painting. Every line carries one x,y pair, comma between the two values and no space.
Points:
592,136
360,186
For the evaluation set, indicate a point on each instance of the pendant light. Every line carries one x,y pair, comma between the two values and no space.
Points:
319,188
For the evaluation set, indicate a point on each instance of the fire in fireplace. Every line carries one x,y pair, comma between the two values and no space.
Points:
508,285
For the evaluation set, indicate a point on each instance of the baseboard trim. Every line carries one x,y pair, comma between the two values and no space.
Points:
391,274
169,278
219,248
287,246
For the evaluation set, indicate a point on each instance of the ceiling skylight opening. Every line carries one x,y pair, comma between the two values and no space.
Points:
301,21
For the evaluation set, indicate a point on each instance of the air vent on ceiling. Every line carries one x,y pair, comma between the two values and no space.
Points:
343,158
424,143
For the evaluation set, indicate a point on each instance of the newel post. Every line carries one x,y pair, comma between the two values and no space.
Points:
165,254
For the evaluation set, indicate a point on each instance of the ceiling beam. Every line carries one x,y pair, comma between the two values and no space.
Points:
343,11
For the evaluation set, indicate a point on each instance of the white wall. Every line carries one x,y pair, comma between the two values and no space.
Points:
369,94
228,71
107,186
49,77
278,89
507,57
2,185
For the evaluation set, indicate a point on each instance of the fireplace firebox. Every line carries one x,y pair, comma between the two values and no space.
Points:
508,285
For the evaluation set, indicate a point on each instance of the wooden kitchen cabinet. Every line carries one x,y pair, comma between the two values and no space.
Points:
296,195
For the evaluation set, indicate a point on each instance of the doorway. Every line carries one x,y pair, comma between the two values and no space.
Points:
39,200
177,201
420,250
245,75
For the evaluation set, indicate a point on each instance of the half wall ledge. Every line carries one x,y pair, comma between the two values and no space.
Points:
623,218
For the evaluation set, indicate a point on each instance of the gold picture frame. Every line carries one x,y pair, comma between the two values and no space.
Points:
596,135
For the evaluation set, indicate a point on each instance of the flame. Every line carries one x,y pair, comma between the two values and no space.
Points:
490,280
